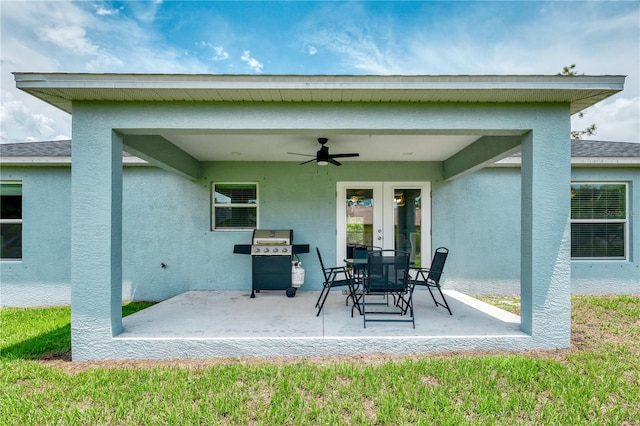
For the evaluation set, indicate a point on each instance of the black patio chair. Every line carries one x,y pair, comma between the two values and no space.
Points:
387,274
361,252
337,276
358,270
430,277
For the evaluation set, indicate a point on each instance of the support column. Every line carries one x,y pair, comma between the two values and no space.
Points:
545,261
96,237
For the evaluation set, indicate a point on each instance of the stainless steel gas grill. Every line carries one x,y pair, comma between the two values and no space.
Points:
271,253
272,242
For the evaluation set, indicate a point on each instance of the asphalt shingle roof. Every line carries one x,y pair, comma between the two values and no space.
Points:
579,148
588,148
36,149
61,148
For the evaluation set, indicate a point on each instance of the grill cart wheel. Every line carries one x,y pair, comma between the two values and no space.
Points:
291,291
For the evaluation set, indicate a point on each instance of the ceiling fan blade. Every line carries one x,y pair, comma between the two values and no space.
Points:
306,155
323,157
343,155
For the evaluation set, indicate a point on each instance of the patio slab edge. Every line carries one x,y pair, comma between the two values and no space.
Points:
164,348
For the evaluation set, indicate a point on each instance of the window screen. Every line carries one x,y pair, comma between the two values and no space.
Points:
235,206
598,220
10,221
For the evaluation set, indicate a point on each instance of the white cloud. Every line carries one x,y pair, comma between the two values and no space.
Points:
16,116
104,62
66,36
616,120
72,38
76,36
600,38
219,54
145,11
103,11
360,40
252,62
357,48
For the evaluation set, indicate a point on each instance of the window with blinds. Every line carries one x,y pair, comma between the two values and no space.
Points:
10,220
599,220
235,206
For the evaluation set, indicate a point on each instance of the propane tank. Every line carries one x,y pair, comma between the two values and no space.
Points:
297,274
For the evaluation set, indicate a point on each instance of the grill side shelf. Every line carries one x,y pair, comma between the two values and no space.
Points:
300,248
242,249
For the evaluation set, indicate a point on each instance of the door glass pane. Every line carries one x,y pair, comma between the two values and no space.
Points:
359,218
406,222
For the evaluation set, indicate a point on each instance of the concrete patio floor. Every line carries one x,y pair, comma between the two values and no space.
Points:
228,323
232,314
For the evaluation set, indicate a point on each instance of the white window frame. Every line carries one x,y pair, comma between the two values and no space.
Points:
626,220
14,221
214,205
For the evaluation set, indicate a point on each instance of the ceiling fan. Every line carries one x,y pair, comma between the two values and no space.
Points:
322,157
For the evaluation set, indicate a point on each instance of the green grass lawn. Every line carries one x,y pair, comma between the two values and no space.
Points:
597,381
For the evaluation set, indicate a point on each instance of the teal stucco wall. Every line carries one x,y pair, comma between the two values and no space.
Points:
42,277
167,219
478,218
622,276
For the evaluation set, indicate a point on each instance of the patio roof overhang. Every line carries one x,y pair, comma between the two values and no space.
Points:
183,150
61,89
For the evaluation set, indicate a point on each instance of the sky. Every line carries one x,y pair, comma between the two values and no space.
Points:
318,37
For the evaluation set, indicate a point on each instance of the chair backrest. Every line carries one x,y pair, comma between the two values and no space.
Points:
387,270
324,271
437,264
360,253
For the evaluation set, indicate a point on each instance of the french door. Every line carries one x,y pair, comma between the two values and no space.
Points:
389,215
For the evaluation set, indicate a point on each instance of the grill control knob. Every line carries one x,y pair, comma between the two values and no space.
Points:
256,250
284,250
266,250
275,250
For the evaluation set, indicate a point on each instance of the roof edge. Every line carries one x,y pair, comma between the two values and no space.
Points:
295,81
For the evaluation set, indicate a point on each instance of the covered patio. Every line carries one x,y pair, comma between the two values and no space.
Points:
230,324
204,129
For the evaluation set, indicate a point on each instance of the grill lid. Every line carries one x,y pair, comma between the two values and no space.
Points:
272,236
